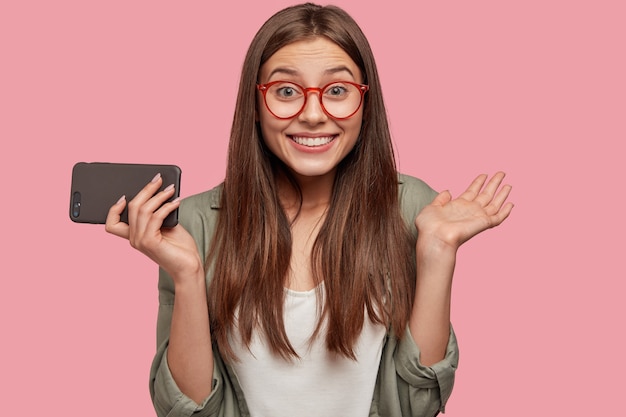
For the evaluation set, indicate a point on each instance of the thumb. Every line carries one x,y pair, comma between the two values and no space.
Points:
442,198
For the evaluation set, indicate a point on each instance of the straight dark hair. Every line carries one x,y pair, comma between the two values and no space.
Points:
363,253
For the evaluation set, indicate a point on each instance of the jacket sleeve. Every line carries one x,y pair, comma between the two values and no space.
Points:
167,398
196,215
405,387
424,390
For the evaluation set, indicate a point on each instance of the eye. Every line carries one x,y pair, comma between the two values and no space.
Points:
337,90
286,91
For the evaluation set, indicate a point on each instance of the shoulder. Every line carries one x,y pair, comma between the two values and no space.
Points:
413,194
197,203
198,214
409,185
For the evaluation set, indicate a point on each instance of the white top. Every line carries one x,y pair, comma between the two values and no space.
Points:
317,384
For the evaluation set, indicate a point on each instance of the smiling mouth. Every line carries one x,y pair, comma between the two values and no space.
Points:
312,142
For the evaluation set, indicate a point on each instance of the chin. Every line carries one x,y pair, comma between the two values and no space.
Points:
312,172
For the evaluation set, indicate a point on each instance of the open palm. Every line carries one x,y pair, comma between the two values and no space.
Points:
454,221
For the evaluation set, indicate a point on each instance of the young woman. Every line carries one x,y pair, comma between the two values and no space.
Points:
315,280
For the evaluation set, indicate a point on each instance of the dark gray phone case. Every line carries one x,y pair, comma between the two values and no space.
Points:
96,186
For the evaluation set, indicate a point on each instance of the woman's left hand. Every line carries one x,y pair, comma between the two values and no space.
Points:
452,222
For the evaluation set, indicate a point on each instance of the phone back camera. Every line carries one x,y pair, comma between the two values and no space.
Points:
76,204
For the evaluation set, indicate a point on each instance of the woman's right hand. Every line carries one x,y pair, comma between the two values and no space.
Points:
171,248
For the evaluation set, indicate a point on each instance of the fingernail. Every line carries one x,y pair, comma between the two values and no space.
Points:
122,198
156,177
169,187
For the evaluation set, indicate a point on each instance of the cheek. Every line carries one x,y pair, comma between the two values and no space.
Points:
271,128
353,126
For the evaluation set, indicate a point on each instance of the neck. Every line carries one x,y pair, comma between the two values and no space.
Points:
316,193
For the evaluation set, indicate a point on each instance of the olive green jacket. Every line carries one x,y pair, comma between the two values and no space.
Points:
403,388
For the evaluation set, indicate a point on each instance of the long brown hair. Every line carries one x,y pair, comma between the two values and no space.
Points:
363,252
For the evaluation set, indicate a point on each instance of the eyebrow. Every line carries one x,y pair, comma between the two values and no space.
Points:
293,72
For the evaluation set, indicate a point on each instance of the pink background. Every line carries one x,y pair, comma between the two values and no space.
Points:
535,88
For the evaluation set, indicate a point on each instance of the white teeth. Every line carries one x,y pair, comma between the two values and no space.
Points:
312,141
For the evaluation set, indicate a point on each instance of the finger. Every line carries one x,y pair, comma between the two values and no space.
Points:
474,188
113,223
142,196
502,214
150,238
498,201
158,217
485,197
146,221
150,207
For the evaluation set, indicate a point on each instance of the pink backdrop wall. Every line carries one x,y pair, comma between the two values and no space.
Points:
535,88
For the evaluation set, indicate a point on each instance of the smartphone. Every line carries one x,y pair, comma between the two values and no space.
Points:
96,186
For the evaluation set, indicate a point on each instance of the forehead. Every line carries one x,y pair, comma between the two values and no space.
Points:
310,59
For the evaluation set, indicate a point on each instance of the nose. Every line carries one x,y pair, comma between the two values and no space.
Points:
313,113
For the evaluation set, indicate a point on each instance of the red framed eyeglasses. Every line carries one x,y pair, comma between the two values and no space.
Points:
339,99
